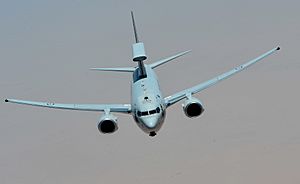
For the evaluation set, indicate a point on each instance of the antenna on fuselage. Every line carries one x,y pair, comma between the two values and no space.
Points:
138,50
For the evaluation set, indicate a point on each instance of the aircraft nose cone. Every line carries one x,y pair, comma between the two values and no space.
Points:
151,122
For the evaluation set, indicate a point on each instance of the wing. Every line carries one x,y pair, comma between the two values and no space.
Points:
170,100
121,108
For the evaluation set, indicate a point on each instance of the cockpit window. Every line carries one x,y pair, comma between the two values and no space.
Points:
152,112
146,113
139,113
157,110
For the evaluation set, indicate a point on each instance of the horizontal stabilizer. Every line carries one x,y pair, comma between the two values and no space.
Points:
126,69
163,61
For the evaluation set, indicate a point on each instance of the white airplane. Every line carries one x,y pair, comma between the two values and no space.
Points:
148,106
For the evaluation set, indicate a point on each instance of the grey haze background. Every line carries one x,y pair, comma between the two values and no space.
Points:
249,133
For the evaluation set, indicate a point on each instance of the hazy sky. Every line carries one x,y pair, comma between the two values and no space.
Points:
249,132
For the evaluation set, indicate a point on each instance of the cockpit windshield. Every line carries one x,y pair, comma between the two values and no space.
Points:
146,113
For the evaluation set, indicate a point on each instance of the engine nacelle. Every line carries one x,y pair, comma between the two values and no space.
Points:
192,107
108,124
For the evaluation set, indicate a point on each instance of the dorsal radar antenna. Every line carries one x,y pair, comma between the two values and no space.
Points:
138,50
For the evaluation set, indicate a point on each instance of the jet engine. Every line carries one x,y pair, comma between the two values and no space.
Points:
108,124
192,107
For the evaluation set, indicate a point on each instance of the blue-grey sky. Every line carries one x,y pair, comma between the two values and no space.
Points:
249,133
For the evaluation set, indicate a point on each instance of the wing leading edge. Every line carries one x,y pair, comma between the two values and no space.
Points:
121,108
170,100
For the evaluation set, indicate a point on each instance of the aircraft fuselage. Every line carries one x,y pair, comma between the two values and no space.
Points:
147,102
148,106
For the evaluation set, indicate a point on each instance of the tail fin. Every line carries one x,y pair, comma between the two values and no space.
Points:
138,51
134,28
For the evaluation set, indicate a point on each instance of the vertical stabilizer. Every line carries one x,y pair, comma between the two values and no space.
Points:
138,50
134,28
